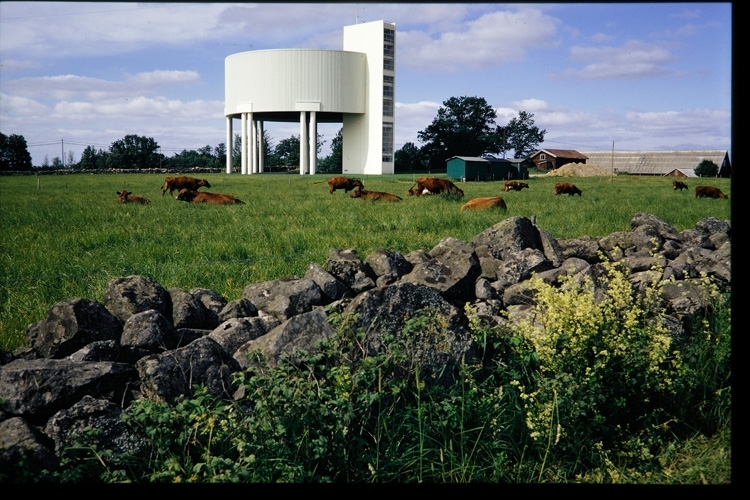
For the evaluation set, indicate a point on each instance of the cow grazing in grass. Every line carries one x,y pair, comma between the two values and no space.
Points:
514,186
709,192
182,182
485,203
374,195
341,182
126,198
679,185
435,186
209,198
566,187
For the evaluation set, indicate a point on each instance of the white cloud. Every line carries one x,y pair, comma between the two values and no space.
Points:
411,118
66,87
531,105
13,105
696,121
493,40
634,59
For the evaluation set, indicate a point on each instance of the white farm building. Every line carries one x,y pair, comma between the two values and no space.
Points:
354,86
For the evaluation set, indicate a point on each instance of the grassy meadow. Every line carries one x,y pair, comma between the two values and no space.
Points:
66,235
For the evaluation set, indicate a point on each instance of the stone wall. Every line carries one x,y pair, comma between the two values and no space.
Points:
86,362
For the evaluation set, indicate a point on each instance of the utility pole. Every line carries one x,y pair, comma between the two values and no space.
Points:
613,161
62,152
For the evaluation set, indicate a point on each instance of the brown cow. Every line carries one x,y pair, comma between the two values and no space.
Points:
435,186
679,185
341,182
709,192
566,187
206,197
126,198
182,182
373,195
514,186
413,191
484,203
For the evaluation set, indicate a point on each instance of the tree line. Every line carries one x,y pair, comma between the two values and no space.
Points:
464,126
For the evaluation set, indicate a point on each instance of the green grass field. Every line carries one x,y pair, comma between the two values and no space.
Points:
66,236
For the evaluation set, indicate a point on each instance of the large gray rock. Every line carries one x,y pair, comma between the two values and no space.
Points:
346,266
388,265
452,271
128,295
167,376
68,427
239,308
213,301
24,451
510,235
233,333
145,333
520,265
284,298
333,289
585,248
187,310
666,231
304,331
397,309
37,388
70,325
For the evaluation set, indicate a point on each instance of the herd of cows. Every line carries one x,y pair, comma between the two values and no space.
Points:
187,190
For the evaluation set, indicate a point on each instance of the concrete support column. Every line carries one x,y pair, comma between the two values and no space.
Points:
243,169
313,143
229,144
261,148
303,143
253,167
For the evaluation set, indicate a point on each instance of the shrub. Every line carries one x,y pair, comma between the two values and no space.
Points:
610,386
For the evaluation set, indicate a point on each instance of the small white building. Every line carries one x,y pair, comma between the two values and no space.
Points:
354,86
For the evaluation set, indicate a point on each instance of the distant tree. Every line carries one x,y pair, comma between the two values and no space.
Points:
185,160
464,126
57,162
14,153
237,151
286,152
408,158
134,152
93,159
45,163
70,159
706,168
520,135
334,163
220,152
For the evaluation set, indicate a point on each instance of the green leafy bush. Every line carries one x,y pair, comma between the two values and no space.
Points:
610,383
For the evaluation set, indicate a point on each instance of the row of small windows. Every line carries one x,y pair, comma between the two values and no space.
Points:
388,94
387,142
388,107
389,40
389,51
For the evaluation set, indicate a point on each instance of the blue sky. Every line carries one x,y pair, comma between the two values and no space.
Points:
644,76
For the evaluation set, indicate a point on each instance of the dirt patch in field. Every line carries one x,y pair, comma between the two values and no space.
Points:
578,170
